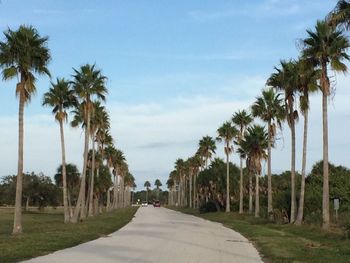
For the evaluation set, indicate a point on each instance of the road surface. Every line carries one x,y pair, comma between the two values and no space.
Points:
162,235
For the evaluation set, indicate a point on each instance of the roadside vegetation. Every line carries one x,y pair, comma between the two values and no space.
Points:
291,197
46,232
79,100
284,242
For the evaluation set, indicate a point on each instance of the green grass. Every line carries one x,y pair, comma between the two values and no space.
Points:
284,243
45,232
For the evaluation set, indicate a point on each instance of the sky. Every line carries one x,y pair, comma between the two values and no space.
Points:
176,71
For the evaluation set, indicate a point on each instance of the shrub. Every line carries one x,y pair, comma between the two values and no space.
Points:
208,207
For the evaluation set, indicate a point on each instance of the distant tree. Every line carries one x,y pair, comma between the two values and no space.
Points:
147,185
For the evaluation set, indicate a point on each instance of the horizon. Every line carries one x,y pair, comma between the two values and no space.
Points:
175,73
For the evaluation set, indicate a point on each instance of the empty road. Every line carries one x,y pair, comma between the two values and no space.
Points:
162,235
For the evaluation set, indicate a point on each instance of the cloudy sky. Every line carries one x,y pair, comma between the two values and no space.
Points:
176,71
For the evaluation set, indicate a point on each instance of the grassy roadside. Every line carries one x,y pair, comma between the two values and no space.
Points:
45,232
284,243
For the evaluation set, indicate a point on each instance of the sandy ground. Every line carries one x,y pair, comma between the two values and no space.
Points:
162,235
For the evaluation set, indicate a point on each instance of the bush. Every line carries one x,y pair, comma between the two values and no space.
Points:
208,207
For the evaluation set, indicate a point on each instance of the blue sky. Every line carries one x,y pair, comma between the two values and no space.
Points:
176,70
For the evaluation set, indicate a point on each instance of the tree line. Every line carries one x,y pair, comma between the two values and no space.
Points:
293,80
24,55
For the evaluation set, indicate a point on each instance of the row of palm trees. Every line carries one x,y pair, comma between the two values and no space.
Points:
25,54
324,49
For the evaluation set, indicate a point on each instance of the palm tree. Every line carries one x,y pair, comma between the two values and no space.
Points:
227,133
158,184
109,156
340,15
327,46
147,185
118,161
254,144
241,119
207,147
99,119
285,80
170,184
269,108
180,168
88,83
23,53
61,98
307,83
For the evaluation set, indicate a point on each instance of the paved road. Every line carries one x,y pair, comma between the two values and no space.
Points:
162,235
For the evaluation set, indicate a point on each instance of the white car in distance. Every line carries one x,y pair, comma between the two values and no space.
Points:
144,204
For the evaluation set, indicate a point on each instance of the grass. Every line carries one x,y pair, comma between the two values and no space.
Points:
45,232
284,243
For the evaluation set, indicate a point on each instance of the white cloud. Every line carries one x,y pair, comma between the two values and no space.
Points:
154,134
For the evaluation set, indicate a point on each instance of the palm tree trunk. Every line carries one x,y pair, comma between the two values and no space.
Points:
80,206
325,199
293,199
269,183
257,205
194,190
241,187
190,189
227,181
178,193
300,215
91,195
64,175
69,204
115,192
250,193
27,204
17,222
108,200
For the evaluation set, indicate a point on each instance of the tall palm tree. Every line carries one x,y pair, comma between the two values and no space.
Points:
340,15
207,147
307,83
196,162
269,108
23,53
180,168
170,184
89,84
99,119
118,160
147,185
284,79
327,46
109,156
242,120
254,144
158,184
61,98
227,133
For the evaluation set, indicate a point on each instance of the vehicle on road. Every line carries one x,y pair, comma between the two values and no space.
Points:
156,203
144,204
